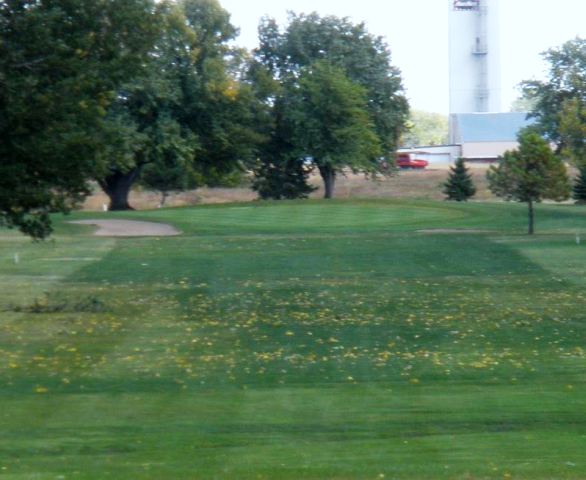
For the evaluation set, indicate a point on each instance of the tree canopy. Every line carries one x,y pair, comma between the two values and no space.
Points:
331,125
572,131
530,174
61,63
186,119
563,91
287,63
109,90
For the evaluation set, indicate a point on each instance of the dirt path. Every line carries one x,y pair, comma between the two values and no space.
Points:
129,228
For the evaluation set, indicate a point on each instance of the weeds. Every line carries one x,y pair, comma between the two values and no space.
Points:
54,303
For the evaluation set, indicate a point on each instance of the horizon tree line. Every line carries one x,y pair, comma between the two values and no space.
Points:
126,91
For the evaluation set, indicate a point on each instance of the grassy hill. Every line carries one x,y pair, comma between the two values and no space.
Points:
298,340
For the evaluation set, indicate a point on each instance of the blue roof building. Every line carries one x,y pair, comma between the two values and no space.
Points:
486,136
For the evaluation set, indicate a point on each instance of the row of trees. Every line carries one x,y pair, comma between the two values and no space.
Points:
533,172
334,101
122,91
529,174
116,91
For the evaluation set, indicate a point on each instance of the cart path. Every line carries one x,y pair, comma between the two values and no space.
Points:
129,228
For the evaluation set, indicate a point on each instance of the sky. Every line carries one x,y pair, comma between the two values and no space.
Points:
417,34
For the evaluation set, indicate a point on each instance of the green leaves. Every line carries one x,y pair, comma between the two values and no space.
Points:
60,62
566,81
344,100
572,130
531,173
193,119
330,119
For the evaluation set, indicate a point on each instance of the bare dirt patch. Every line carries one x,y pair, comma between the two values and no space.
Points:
129,228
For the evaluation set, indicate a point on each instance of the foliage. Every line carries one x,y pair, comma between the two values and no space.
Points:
311,43
572,131
330,123
283,178
459,186
425,128
579,187
530,174
566,83
171,166
280,172
187,120
523,104
60,62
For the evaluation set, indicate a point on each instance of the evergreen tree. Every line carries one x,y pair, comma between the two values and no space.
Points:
459,186
284,178
579,188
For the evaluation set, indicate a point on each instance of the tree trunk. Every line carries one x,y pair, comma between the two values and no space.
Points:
531,218
328,175
117,186
164,196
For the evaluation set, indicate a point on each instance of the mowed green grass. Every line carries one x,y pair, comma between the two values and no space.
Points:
298,340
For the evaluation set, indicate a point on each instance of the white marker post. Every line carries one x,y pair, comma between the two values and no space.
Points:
577,239
16,258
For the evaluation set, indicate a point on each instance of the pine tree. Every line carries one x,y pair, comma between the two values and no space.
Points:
579,189
459,186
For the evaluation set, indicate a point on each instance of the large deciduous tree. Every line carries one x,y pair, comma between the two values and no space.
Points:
561,94
572,131
144,120
530,174
331,125
559,105
187,119
60,64
291,58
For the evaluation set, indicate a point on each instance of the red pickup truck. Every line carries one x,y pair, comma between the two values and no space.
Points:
405,161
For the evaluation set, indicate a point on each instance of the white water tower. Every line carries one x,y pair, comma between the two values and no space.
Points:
475,84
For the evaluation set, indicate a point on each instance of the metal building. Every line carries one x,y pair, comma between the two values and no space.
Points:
483,137
475,84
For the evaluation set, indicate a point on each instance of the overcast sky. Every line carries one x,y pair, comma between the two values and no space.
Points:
417,34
